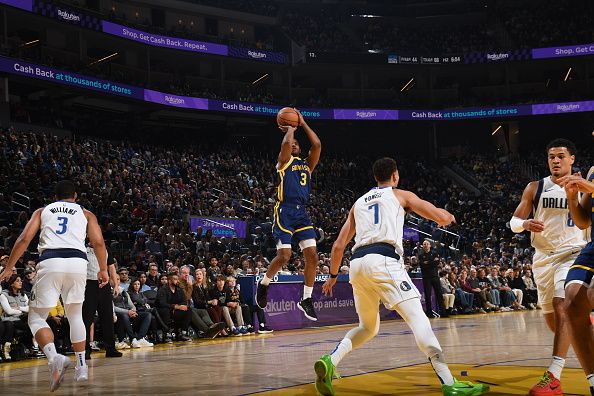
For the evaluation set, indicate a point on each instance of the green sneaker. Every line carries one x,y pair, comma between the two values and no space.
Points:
464,388
325,371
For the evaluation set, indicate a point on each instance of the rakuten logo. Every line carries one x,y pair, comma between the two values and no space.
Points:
366,114
68,16
256,55
174,100
496,57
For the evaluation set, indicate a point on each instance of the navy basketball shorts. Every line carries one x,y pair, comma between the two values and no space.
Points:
291,223
582,270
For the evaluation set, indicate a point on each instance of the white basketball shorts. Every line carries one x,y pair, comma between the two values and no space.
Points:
383,278
59,276
550,271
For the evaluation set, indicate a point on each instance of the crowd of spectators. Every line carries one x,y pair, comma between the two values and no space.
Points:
143,193
321,32
262,7
383,35
551,23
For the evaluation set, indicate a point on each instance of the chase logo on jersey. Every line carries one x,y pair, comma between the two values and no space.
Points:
405,286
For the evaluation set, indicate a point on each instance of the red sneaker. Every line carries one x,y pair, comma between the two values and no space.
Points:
547,385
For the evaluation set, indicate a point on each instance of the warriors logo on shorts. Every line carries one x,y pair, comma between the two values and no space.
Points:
405,286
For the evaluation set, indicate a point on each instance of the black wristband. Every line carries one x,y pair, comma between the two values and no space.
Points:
333,276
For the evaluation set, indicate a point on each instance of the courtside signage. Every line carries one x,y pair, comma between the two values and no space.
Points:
26,5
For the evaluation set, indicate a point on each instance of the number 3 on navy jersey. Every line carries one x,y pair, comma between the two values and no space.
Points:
63,224
303,181
375,208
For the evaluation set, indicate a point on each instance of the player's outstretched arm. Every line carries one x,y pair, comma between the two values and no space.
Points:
347,232
22,242
411,201
285,152
316,145
96,238
520,221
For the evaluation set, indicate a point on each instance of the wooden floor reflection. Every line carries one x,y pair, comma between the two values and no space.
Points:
509,350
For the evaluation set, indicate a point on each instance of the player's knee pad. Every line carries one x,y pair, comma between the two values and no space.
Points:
307,244
37,319
73,312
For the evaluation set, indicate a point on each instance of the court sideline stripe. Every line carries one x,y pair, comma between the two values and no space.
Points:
343,376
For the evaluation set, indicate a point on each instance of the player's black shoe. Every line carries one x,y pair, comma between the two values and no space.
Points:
262,295
306,306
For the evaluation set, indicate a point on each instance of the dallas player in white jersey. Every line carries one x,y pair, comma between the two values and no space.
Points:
64,226
557,242
377,274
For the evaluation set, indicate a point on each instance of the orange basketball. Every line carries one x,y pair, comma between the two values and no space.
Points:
287,117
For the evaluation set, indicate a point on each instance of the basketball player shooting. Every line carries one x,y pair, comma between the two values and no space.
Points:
557,242
62,269
291,221
377,275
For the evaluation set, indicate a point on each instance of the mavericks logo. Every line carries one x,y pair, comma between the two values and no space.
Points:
405,286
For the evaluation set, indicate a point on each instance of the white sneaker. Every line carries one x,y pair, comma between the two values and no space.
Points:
81,373
57,369
94,345
135,343
145,343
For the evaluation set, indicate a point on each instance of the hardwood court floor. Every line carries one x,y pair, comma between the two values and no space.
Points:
507,350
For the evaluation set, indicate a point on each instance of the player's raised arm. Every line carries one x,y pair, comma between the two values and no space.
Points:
580,209
316,145
96,238
22,242
286,146
520,221
411,201
347,232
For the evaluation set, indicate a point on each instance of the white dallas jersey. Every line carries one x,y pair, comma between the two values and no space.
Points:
379,218
63,226
560,232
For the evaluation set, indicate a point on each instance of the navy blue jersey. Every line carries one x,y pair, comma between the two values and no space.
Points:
294,183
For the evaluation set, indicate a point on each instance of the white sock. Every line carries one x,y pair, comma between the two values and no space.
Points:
307,291
50,351
266,280
557,366
590,379
341,350
80,359
441,369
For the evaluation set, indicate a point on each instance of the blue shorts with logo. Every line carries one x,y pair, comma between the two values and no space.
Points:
582,271
291,222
